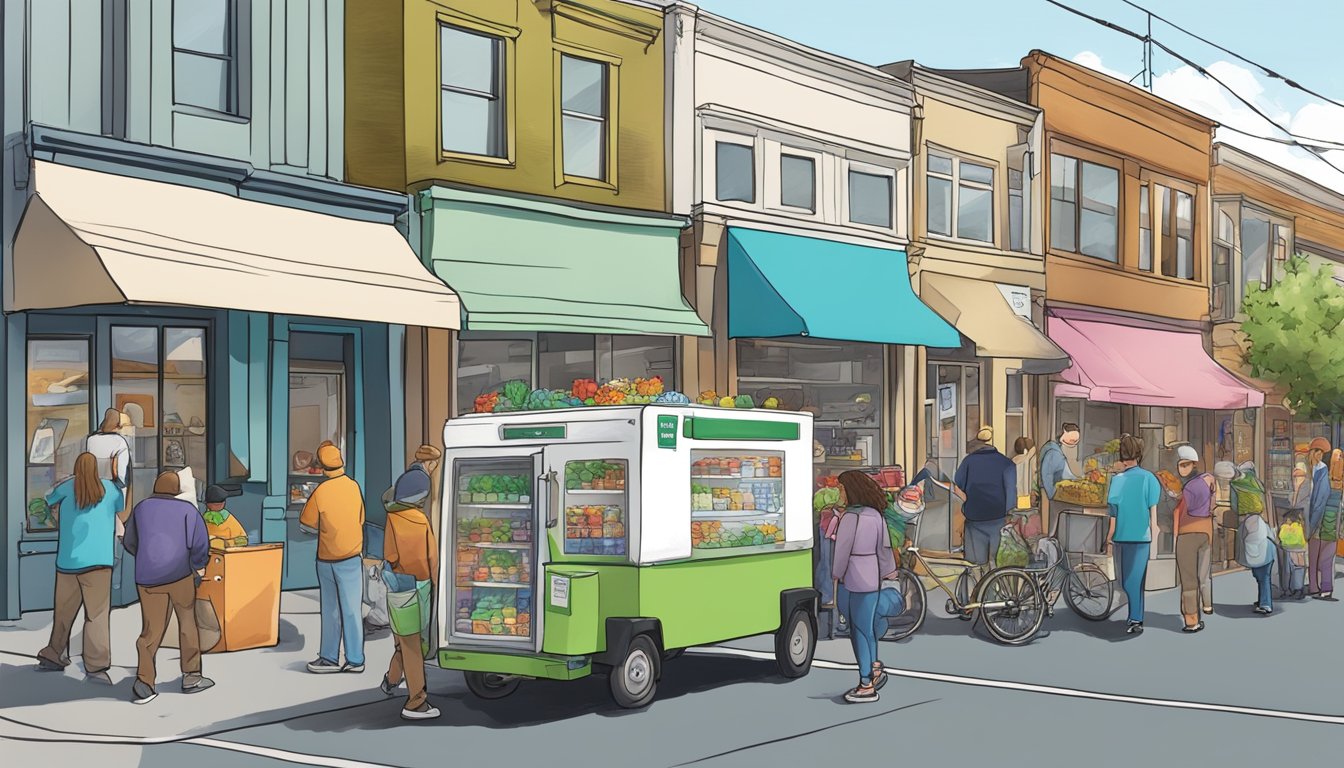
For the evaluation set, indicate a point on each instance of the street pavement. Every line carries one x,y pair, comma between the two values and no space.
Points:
1247,691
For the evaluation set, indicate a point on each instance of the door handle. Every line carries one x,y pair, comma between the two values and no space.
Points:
552,498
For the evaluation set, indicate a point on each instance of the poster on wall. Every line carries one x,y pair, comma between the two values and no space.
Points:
947,401
1242,438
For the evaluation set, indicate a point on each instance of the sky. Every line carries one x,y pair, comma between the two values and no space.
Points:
1300,39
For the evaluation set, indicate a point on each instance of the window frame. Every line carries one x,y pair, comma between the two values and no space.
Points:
238,36
869,169
612,74
958,182
1149,179
811,159
508,86
710,167
1231,306
1084,155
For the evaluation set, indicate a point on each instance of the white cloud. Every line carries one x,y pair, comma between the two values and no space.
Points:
1194,91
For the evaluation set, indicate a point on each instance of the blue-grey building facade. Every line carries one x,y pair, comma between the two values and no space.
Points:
232,110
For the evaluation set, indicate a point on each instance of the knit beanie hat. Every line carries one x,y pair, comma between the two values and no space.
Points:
411,489
428,453
329,456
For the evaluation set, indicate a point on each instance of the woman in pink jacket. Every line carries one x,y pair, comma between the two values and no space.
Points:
863,558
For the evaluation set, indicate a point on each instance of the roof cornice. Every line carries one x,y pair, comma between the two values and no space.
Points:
1039,59
1002,106
1277,176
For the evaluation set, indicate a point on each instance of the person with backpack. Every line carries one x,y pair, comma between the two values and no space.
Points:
1256,550
1194,539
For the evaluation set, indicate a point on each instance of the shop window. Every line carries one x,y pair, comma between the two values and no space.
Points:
798,182
1084,208
737,501
734,172
58,411
484,365
961,198
564,357
584,117
595,507
870,197
642,357
320,400
209,54
471,92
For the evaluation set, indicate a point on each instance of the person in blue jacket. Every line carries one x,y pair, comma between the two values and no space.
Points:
986,482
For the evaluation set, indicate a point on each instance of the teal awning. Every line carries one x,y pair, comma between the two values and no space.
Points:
788,285
520,264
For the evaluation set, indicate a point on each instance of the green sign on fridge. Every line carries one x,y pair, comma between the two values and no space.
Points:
667,431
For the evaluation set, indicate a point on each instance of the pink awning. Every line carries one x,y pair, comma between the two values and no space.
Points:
1144,366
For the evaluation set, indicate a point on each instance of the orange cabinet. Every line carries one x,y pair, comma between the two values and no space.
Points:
243,586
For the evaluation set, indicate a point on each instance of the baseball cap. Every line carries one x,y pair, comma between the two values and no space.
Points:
1187,453
217,494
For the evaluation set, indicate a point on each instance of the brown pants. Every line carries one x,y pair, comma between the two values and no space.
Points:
156,604
408,659
93,590
1195,572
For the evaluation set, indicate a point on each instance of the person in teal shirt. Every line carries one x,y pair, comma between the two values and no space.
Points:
1132,501
86,508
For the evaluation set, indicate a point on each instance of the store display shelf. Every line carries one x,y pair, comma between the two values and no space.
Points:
736,514
494,585
497,505
586,491
498,545
737,477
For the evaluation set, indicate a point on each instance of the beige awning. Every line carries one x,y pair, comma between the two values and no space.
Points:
981,312
98,238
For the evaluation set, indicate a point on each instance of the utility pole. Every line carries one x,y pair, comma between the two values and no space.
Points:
1148,55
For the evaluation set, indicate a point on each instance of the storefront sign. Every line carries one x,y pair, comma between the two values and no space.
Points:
1019,298
667,431
702,428
546,432
560,592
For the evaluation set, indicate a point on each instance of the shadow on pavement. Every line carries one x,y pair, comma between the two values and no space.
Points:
27,686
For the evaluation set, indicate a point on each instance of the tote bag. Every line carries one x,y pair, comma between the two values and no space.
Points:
409,613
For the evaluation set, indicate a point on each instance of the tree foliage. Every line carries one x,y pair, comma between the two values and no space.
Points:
1296,333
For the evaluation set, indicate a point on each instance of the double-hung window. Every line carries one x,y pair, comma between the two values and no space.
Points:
961,198
209,40
471,93
1084,208
1224,243
585,116
1177,210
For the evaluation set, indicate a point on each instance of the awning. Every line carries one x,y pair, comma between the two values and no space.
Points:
788,285
98,238
981,312
1116,363
530,265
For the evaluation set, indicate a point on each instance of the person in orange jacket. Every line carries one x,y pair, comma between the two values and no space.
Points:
410,555
335,512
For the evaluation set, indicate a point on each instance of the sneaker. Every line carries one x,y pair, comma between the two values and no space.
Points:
323,667
142,694
1328,597
1134,628
47,665
422,712
100,677
1208,611
195,683
352,668
862,695
386,687
879,679
1191,630
1263,611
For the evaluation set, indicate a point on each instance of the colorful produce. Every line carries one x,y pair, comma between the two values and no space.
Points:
606,395
494,489
1170,482
497,613
743,401
717,534
1082,492
486,403
708,397
651,387
594,476
771,402
825,497
583,389
727,402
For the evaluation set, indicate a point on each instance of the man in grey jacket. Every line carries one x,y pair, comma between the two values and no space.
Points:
1054,465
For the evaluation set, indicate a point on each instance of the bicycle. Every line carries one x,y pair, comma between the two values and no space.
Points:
1008,600
1086,589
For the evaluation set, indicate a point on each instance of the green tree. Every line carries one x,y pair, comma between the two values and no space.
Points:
1296,333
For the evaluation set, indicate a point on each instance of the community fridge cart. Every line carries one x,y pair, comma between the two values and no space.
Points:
612,538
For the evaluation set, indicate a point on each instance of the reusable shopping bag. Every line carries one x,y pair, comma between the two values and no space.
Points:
375,594
409,611
1013,551
1250,495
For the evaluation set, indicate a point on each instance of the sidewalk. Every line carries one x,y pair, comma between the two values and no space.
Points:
251,687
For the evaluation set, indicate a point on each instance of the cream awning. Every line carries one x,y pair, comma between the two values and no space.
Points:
98,238
980,311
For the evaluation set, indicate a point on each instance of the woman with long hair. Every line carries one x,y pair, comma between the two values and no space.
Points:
863,558
86,508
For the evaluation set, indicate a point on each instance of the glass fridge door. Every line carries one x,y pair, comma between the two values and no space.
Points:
494,550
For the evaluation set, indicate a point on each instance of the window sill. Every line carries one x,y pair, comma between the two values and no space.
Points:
210,114
583,181
1093,261
987,244
462,157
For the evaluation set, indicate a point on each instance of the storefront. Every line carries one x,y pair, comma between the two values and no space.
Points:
1145,378
188,311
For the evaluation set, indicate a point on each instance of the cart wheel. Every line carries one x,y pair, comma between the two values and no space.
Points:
912,618
490,686
1019,622
634,681
795,642
1089,593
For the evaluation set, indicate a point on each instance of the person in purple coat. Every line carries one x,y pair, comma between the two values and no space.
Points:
863,558
168,539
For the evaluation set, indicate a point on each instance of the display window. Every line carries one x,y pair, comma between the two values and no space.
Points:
58,410
494,568
737,500
596,507
319,405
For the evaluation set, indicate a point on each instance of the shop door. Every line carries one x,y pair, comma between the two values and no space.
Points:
952,418
159,380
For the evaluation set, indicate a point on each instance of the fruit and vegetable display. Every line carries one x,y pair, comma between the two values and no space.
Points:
1170,482
1081,492
494,489
594,476
518,396
1093,471
513,529
499,566
495,612
595,530
738,467
723,534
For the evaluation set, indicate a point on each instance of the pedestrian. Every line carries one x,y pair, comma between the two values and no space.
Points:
427,459
1054,464
986,481
1024,459
1132,504
335,511
111,448
410,557
222,527
1256,551
863,559
168,539
86,508
1194,539
1321,522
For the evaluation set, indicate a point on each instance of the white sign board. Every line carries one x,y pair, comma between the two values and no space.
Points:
559,591
1019,298
947,401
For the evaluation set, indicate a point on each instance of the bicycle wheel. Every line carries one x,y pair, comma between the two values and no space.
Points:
1018,621
1089,593
912,617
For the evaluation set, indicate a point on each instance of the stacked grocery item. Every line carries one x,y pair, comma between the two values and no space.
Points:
738,467
722,534
492,566
594,530
494,489
499,612
594,476
514,528
1090,489
518,396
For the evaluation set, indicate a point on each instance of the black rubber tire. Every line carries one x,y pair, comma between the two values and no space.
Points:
1021,587
912,618
795,644
491,686
1088,582
634,681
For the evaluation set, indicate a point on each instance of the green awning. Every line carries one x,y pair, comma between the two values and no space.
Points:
789,285
525,265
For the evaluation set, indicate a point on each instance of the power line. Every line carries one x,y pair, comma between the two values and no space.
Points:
1270,72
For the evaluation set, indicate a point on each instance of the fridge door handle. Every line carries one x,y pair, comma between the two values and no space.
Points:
552,498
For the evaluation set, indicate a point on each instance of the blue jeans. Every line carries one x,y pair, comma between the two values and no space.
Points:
341,589
1131,566
860,609
1261,575
825,582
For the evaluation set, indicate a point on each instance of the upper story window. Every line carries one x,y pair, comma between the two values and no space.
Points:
209,42
1019,207
870,199
471,92
1178,232
1224,243
961,198
1084,208
798,182
584,117
734,172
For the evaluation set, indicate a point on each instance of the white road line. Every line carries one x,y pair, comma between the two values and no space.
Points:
1051,690
285,755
